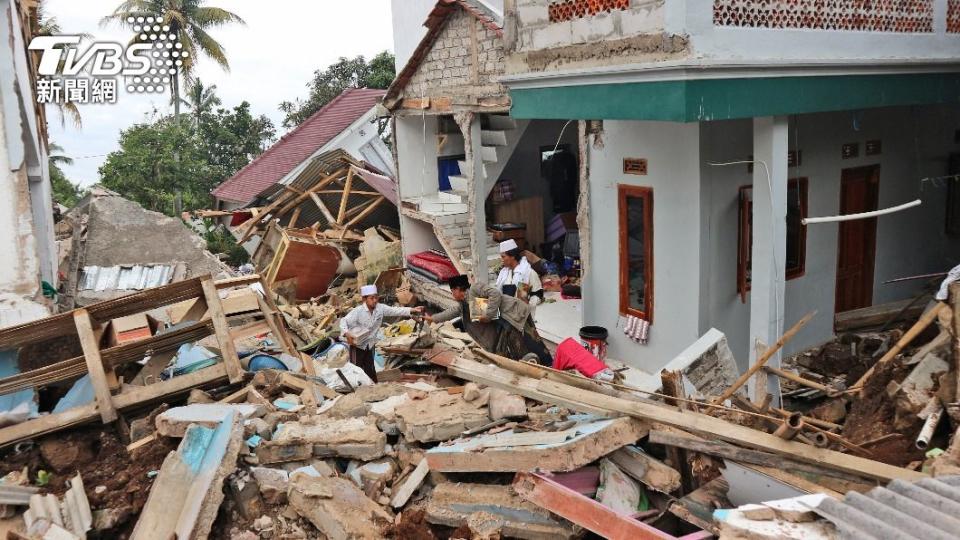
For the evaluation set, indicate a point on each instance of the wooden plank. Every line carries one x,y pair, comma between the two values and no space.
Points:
875,316
366,212
700,424
740,455
294,217
142,442
647,469
98,378
251,225
412,482
346,195
222,330
133,397
332,221
582,510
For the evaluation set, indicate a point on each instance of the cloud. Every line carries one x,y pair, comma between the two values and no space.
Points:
271,59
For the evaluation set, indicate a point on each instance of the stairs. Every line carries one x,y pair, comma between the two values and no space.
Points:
449,211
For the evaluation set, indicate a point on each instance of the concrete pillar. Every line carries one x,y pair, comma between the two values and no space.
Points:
769,240
477,201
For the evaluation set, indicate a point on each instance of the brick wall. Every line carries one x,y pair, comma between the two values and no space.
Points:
466,59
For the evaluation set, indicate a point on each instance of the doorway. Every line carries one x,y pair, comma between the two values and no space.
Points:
857,239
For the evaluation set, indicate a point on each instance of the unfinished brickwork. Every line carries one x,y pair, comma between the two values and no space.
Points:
465,61
953,16
550,35
912,16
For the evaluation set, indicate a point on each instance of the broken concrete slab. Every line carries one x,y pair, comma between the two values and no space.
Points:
273,484
708,364
590,439
452,504
356,438
734,524
439,417
174,422
506,405
187,493
337,507
403,491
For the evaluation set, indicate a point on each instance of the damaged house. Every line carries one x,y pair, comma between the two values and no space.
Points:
712,150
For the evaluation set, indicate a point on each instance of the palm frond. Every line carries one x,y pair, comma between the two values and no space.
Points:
210,47
206,17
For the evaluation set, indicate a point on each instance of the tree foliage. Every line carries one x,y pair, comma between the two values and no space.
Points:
329,83
65,192
171,157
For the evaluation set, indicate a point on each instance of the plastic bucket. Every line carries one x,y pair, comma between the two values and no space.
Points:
594,338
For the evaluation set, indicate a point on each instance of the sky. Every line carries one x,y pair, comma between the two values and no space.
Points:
271,59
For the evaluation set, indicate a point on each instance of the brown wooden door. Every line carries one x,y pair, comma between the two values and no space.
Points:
857,241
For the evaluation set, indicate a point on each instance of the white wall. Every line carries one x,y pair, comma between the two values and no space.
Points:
408,29
916,143
707,41
416,141
674,175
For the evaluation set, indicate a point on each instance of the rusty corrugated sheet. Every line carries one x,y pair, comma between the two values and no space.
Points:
928,509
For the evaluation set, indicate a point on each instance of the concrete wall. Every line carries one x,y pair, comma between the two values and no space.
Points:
466,59
675,179
535,31
916,143
416,147
26,207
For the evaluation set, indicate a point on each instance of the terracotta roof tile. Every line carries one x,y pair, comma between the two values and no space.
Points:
298,145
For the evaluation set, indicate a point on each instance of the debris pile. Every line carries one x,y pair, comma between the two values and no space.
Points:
231,410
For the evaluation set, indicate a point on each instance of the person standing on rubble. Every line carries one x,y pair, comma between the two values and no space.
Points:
517,278
499,323
360,327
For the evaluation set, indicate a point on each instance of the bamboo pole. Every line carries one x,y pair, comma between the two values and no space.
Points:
765,357
831,392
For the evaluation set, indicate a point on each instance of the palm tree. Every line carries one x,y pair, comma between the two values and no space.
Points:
200,99
56,155
189,20
48,26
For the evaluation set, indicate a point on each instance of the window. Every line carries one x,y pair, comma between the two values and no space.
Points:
796,234
636,251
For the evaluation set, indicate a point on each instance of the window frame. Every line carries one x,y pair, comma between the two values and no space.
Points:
625,191
744,213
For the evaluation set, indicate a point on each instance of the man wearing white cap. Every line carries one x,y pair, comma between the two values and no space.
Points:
517,278
359,328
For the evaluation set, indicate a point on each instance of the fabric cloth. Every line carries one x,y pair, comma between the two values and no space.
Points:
572,355
527,283
366,323
508,245
363,358
368,290
436,264
952,275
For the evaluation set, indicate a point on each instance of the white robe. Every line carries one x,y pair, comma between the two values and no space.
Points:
522,274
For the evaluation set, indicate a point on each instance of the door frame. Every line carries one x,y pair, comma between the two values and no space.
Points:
872,172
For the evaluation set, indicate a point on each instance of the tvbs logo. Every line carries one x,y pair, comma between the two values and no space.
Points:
147,64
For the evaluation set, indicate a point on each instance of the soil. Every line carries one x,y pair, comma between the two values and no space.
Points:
101,458
412,526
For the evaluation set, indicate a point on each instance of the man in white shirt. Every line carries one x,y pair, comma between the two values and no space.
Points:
517,278
360,327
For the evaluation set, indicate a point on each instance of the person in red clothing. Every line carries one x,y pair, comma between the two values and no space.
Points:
572,355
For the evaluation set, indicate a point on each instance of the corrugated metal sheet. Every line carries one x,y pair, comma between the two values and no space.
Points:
125,278
928,509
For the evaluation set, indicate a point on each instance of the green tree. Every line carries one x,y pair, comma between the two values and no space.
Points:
173,155
65,192
49,26
329,83
189,20
201,99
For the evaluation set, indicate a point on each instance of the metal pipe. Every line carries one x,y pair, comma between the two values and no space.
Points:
930,425
790,427
820,440
861,215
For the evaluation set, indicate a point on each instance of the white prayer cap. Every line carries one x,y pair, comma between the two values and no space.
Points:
508,245
368,290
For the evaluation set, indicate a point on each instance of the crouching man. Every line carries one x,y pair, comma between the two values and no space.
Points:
360,327
504,326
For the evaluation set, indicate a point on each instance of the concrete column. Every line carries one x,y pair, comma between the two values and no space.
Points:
769,240
477,200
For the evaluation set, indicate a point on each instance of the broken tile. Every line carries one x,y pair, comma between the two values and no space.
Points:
338,508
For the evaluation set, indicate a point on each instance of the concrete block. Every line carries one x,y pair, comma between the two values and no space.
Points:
506,405
356,438
596,28
453,504
708,364
439,417
553,35
529,14
273,484
174,422
338,508
645,19
590,439
617,491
